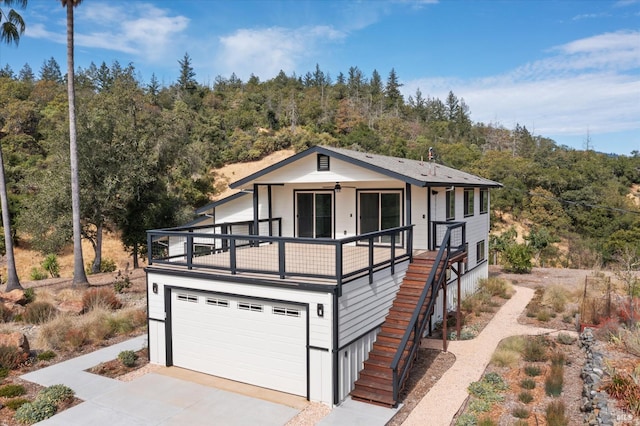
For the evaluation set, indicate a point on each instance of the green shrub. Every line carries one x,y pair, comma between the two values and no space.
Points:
55,394
555,414
12,390
517,259
521,413
535,349
121,284
505,358
543,315
527,384
558,358
486,421
29,295
34,412
556,297
51,265
525,397
37,274
467,419
467,332
565,339
39,312
496,381
555,380
46,356
479,405
495,287
100,298
4,372
532,370
128,358
16,403
11,357
108,265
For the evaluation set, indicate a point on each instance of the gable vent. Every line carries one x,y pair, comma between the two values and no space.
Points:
323,163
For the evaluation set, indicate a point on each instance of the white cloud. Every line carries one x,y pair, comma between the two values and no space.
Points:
590,83
272,49
139,28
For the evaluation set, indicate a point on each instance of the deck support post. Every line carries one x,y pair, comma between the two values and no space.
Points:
458,314
444,317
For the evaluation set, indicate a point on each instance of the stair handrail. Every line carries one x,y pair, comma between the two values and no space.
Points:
433,283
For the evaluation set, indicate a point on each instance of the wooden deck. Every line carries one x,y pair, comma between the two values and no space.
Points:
312,261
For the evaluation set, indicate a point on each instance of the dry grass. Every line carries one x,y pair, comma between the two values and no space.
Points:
26,258
67,332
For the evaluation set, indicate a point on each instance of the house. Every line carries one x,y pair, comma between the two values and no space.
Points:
320,276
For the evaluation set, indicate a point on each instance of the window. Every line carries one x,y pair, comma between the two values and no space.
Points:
468,201
323,163
217,302
484,200
253,307
379,211
451,204
187,297
289,312
314,214
480,251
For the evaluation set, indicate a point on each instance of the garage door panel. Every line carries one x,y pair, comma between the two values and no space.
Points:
263,344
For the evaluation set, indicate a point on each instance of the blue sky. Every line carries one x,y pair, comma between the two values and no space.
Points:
568,70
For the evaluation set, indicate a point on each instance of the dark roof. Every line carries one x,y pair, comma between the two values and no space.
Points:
419,173
216,203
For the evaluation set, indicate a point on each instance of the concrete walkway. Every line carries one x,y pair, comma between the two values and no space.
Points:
446,397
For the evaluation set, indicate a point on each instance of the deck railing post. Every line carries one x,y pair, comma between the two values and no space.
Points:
232,255
190,250
393,253
338,247
370,260
149,248
281,259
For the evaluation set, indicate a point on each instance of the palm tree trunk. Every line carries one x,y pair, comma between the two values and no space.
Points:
79,275
12,276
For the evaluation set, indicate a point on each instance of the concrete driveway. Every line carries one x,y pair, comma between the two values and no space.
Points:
152,399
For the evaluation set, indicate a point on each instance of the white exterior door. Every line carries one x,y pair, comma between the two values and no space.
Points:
263,343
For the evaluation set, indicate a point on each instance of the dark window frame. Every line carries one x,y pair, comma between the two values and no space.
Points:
480,251
450,204
469,195
484,200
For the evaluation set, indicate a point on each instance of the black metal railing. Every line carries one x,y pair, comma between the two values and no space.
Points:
334,259
450,246
458,233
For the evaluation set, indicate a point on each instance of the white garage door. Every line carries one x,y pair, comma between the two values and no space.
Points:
252,341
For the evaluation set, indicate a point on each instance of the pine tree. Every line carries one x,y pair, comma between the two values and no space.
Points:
186,80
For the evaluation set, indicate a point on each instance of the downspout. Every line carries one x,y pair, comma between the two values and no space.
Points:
335,352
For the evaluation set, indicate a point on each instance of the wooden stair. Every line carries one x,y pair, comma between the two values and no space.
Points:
375,383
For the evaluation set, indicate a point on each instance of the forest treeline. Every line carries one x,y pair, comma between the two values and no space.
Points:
146,153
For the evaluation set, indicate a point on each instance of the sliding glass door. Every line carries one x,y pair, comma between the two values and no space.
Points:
380,210
314,214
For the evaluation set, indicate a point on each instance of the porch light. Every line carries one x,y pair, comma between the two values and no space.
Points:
337,188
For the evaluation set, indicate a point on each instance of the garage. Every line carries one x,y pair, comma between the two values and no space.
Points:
255,341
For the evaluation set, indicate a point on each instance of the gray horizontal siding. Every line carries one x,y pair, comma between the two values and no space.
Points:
364,306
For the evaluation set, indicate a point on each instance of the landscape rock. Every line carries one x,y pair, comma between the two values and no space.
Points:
75,307
14,296
17,340
595,402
